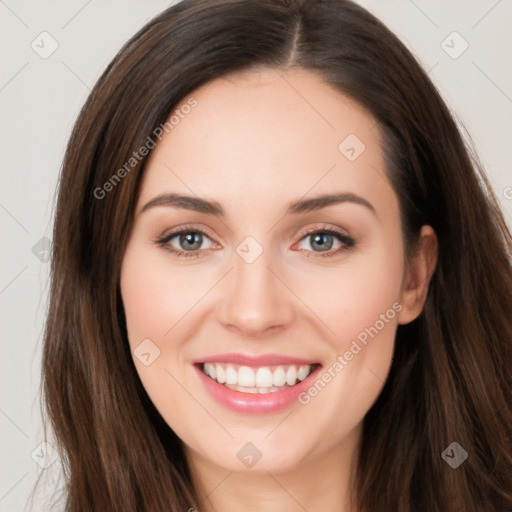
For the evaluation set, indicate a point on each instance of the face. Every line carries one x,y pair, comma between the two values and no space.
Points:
292,300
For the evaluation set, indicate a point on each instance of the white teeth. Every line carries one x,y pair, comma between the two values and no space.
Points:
279,377
291,376
303,372
264,378
257,380
249,390
210,370
246,377
231,375
260,391
221,374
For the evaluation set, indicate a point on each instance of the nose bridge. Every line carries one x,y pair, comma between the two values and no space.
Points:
256,300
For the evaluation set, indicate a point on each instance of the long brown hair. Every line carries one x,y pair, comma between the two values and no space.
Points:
450,378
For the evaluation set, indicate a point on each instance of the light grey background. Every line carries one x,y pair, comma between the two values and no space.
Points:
41,97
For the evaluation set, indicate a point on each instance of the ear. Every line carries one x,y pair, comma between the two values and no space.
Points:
418,271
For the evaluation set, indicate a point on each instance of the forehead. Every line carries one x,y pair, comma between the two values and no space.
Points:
270,134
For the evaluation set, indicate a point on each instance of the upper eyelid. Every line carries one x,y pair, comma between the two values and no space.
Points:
184,229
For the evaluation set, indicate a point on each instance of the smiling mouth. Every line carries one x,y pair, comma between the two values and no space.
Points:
261,379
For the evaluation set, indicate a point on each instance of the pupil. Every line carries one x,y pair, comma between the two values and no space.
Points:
320,240
190,239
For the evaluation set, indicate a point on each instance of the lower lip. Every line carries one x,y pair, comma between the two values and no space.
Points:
255,403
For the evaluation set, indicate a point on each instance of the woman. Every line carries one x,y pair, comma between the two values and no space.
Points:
338,334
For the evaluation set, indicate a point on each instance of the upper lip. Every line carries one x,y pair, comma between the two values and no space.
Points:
255,360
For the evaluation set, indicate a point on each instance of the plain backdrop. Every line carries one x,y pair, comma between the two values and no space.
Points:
462,43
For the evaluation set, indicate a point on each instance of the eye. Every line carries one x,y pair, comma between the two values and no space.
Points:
189,241
324,239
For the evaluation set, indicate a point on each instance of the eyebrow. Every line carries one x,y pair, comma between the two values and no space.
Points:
298,207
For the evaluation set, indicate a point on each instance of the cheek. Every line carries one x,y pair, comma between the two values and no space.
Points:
360,305
359,295
155,298
155,295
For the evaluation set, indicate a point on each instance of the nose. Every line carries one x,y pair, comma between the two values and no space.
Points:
255,298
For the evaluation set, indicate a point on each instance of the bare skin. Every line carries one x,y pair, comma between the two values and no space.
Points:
254,143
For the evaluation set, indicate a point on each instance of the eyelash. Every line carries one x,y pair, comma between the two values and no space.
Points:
163,241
